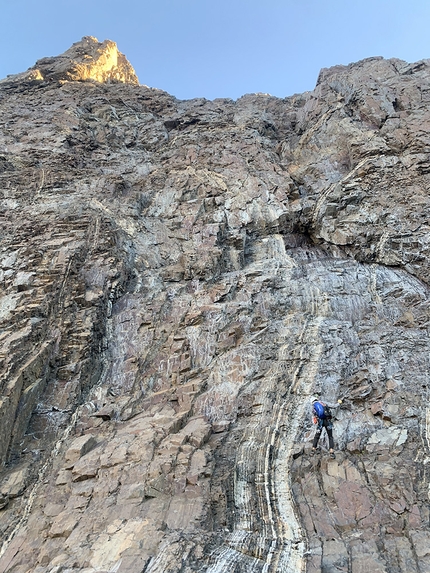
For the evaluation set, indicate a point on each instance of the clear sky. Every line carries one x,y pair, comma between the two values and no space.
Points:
219,48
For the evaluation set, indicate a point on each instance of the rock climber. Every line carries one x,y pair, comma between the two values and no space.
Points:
322,416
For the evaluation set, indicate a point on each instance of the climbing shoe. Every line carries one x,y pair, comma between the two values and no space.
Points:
332,455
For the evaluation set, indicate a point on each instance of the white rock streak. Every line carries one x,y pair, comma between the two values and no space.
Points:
280,542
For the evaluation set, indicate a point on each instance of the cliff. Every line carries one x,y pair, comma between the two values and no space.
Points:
178,279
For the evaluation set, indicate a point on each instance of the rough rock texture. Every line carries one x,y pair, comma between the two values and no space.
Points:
179,277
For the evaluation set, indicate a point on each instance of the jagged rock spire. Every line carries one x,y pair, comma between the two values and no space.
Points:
88,59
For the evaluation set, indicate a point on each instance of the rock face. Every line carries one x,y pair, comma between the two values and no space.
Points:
179,278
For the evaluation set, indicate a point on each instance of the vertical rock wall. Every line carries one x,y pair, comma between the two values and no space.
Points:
179,278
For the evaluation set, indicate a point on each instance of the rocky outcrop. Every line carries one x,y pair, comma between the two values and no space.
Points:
179,278
86,60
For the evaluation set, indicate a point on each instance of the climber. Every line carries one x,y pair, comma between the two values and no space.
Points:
321,415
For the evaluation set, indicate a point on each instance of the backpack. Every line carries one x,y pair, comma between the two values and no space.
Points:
322,411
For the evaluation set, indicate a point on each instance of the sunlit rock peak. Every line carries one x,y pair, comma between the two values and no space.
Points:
86,60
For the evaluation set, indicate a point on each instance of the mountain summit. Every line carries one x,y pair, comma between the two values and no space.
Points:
88,59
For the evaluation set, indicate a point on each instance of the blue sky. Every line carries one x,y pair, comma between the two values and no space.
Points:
219,48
